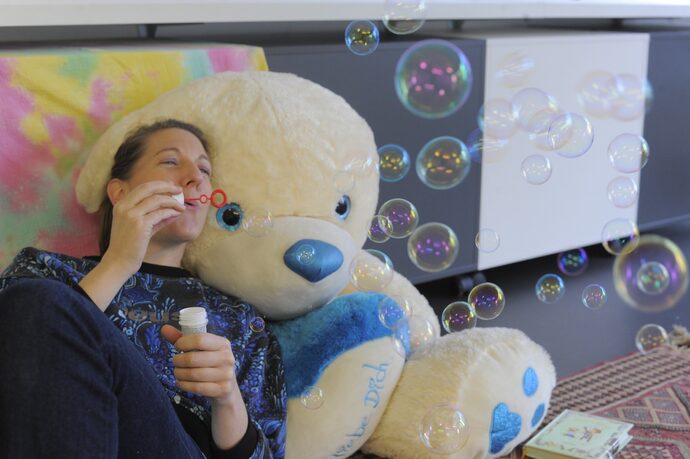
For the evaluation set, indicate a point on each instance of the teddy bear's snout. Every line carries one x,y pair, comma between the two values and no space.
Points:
312,259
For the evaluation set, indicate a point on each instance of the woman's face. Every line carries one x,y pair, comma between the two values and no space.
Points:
177,156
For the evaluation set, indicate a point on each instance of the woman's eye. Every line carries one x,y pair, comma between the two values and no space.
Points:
170,161
205,171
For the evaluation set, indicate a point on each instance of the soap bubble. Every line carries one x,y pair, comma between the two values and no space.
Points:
596,93
536,169
344,181
433,79
371,274
483,148
422,336
394,311
487,240
650,336
362,37
633,95
653,278
488,300
312,397
257,324
594,296
620,236
380,229
433,247
570,135
549,288
458,316
363,166
498,118
394,162
306,254
257,222
403,17
535,110
572,262
514,69
403,217
622,192
443,163
661,251
628,153
443,429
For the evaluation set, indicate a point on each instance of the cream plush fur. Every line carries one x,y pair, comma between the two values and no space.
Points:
277,142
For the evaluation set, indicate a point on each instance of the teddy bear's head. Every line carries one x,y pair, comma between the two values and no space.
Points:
298,166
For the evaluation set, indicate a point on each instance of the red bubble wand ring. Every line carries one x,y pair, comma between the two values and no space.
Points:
203,199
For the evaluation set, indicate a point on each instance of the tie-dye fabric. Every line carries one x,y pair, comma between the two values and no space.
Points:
54,104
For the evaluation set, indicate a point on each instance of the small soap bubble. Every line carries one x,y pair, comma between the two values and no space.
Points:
596,93
483,148
515,69
312,397
443,163
622,192
363,166
535,110
653,278
498,118
572,262
487,240
549,288
306,254
458,316
257,324
620,236
371,270
362,37
394,311
570,135
536,169
257,222
403,17
433,78
628,153
403,217
443,429
433,247
344,181
422,336
633,96
380,229
594,296
488,300
650,336
394,163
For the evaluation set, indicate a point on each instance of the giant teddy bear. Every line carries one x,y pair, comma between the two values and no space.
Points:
278,144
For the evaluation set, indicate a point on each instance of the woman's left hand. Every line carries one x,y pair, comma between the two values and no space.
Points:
205,366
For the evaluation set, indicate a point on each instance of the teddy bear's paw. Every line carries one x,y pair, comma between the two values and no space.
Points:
498,378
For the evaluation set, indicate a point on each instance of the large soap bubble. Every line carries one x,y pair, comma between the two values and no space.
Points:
572,262
535,110
443,429
433,78
402,215
488,300
620,236
650,336
443,163
549,288
570,135
371,270
628,153
433,247
647,287
403,17
394,162
362,37
458,316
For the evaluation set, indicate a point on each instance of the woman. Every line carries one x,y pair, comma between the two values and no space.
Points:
74,386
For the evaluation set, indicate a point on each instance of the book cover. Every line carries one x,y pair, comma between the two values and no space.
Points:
578,435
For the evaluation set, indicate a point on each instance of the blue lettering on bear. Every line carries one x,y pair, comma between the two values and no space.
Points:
530,382
505,426
538,414
373,397
343,450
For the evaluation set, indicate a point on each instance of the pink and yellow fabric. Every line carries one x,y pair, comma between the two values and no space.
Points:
54,104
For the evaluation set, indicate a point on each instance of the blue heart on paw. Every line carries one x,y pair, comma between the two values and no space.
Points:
505,426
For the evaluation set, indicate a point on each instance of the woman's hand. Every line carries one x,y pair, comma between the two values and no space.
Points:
136,218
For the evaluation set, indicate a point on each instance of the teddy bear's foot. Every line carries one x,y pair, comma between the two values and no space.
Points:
498,378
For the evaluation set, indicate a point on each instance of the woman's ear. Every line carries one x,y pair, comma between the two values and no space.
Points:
116,189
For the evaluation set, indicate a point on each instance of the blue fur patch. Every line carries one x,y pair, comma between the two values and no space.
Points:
505,426
538,414
530,382
311,342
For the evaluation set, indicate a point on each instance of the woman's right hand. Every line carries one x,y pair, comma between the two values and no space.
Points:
136,218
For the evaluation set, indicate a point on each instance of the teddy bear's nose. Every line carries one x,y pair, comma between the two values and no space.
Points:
314,260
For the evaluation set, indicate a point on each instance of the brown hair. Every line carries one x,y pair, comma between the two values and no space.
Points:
126,157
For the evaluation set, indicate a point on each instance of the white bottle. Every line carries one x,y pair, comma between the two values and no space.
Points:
193,320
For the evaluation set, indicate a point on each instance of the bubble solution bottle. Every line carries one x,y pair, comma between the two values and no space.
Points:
193,320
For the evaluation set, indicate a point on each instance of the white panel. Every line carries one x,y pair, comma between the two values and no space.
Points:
572,207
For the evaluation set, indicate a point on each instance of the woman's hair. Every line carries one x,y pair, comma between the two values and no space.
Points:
127,155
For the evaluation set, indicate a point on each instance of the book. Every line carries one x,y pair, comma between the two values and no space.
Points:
575,435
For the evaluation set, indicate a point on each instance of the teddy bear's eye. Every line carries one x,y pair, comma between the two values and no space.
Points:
342,209
230,216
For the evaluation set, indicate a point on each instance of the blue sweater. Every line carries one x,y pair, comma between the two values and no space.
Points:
152,298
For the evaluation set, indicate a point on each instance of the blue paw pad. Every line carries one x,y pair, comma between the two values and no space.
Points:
530,382
538,414
505,426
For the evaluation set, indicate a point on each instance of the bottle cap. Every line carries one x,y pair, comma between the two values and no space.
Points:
193,320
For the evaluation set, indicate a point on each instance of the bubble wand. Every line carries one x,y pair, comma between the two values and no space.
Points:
203,199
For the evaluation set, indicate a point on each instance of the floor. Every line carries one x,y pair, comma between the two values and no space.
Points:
575,336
